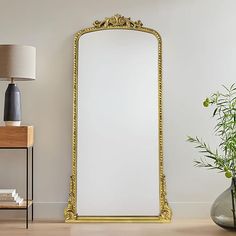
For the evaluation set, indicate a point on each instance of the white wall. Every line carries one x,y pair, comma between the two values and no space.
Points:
199,53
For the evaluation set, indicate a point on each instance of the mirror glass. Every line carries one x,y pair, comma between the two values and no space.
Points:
118,126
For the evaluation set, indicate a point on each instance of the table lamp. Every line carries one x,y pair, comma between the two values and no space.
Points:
17,62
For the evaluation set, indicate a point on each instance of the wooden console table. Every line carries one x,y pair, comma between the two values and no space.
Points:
20,137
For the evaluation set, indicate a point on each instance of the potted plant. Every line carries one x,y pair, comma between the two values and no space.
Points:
223,159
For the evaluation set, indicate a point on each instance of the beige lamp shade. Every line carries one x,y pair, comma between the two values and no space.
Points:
17,62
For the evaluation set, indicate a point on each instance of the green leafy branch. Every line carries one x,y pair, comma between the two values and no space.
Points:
225,114
218,162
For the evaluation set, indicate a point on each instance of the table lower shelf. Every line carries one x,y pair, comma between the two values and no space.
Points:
22,206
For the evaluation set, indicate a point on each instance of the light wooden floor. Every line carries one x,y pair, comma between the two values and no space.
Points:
176,228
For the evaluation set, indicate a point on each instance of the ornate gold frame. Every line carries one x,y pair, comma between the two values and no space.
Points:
70,213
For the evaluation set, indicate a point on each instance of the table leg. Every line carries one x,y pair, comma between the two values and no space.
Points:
32,183
27,170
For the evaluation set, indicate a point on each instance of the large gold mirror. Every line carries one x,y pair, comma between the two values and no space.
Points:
117,151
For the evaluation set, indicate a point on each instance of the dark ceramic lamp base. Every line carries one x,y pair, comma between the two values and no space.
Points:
12,107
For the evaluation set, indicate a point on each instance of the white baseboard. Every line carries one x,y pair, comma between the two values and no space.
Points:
42,211
192,210
55,211
49,210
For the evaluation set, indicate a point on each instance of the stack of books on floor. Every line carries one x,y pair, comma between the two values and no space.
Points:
9,197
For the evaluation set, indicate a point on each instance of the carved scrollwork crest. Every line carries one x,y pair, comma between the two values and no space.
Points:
117,20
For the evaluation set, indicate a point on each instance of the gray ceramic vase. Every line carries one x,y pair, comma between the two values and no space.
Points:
223,211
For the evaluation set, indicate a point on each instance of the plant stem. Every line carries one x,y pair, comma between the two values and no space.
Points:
233,192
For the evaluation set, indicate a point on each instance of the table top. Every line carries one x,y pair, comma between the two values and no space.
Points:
16,136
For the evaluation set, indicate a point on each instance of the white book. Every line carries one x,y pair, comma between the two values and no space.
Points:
7,192
8,198
8,204
19,200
